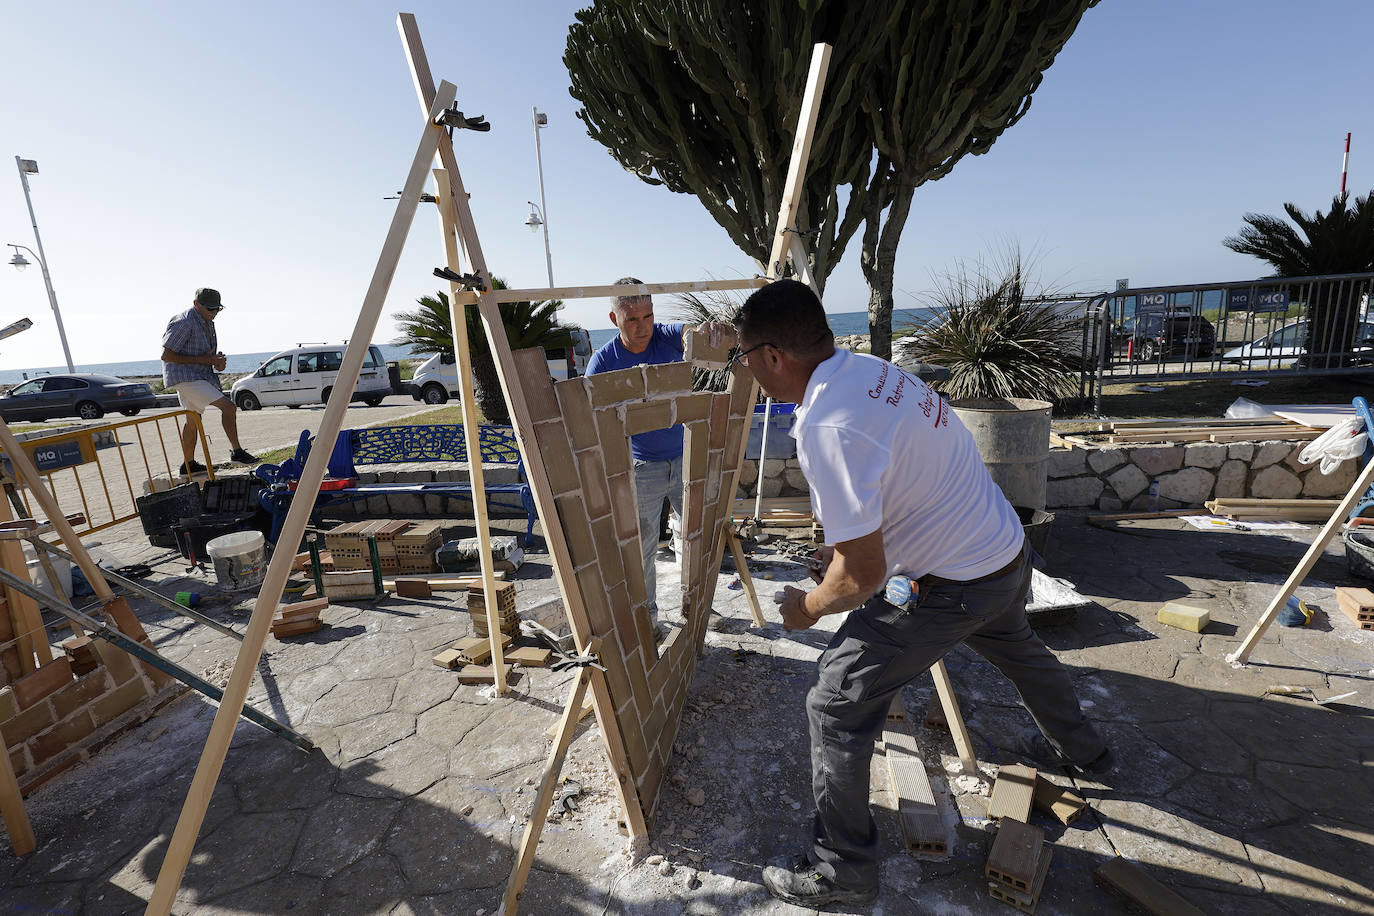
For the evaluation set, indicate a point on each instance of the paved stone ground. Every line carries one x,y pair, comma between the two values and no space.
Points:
418,792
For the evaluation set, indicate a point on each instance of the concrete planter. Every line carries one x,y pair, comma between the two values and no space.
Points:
1013,437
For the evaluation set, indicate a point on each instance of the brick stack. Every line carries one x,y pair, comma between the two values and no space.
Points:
509,622
416,545
1019,859
299,619
348,544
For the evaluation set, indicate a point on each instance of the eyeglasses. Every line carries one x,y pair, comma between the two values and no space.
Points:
742,357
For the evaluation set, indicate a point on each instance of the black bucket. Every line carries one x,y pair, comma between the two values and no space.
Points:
1359,552
159,511
1037,523
193,533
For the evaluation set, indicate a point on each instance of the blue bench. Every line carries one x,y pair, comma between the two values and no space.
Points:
386,445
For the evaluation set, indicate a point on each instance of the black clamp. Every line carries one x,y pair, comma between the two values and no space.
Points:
566,660
453,118
469,282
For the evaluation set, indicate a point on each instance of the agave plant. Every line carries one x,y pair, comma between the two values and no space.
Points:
997,338
428,329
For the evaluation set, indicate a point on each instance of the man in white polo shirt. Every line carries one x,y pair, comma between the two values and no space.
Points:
906,503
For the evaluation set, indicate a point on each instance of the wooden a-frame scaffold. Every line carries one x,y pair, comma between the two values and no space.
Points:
574,439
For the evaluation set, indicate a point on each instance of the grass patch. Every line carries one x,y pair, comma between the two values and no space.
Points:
1211,397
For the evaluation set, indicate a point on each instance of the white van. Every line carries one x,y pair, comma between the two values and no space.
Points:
306,375
436,379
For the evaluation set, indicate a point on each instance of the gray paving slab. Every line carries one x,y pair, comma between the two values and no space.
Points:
420,788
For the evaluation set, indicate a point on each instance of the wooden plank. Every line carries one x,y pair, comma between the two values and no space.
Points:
955,719
1057,801
1130,881
922,825
471,430
1352,496
786,223
524,859
1012,793
746,580
1024,901
22,839
202,786
539,294
1015,855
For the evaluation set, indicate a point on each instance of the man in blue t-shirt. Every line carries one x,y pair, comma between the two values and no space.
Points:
657,454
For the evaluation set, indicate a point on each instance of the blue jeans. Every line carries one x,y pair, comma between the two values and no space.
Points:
653,481
877,651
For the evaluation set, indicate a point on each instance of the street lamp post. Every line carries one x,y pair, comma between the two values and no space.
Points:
542,120
26,168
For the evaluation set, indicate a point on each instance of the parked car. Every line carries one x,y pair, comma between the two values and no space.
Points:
1283,347
307,375
1150,335
436,379
89,397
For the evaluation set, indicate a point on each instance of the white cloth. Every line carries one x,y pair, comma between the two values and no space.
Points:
198,394
881,450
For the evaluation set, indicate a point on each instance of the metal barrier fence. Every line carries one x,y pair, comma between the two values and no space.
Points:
101,471
1271,327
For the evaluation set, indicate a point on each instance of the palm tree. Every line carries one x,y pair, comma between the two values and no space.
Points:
428,329
1340,241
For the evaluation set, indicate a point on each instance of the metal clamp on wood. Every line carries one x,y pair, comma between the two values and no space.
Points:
470,282
453,118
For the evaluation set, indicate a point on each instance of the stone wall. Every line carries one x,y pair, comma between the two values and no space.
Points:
1118,478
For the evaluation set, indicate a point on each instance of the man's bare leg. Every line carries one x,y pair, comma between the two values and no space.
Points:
189,434
228,416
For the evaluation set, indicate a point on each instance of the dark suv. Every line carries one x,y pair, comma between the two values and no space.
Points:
1153,335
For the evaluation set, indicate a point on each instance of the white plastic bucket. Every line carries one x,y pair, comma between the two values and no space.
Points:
39,576
240,559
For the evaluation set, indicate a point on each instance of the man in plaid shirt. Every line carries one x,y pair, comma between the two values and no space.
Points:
191,363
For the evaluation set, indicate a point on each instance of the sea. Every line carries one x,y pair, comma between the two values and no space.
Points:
842,323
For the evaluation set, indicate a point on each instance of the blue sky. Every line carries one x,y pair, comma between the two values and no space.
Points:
249,147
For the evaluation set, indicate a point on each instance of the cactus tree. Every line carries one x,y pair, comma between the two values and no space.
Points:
702,97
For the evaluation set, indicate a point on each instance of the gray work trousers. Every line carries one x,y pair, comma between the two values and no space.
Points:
653,481
878,650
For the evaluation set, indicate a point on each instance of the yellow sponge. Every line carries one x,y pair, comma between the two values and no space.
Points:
1184,616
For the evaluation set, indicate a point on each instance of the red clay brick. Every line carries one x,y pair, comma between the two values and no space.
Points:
80,692
690,407
642,418
19,760
118,610
615,445
413,587
8,708
27,724
667,378
533,369
61,736
33,687
558,460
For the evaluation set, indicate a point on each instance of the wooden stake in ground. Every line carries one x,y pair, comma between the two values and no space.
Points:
745,580
236,692
472,433
1352,496
524,858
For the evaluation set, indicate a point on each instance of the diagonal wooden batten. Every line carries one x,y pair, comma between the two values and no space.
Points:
472,433
609,290
1352,496
236,692
520,416
801,154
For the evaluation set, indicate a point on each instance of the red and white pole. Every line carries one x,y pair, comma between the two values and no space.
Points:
1345,162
